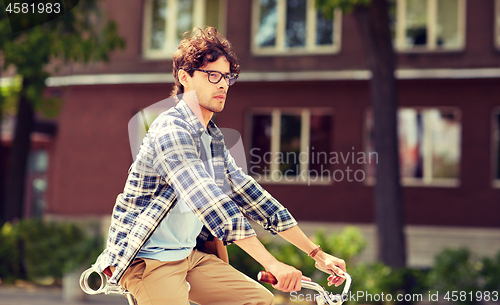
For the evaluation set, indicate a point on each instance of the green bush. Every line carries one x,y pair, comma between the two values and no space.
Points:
10,262
459,270
377,278
490,273
36,249
456,270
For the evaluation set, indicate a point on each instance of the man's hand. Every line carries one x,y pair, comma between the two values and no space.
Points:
289,278
331,264
324,262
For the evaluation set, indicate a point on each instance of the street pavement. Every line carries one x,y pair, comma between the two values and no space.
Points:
40,295
31,295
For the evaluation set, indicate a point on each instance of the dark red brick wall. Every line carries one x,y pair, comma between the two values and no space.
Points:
91,155
479,50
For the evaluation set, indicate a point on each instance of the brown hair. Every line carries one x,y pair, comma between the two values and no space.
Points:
199,48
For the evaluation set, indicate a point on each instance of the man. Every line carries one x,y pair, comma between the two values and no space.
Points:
184,188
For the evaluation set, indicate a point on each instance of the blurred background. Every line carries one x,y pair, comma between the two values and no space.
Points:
316,79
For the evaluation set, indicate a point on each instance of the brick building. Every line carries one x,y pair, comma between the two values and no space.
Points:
304,93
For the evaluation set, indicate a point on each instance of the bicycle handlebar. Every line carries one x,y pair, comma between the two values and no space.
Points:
325,297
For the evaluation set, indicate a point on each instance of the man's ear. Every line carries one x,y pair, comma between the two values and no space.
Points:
184,77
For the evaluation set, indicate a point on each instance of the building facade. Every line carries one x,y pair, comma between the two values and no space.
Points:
302,107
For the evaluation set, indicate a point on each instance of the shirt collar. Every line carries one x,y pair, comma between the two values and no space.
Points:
191,118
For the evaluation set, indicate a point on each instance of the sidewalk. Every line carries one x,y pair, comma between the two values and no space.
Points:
31,295
36,295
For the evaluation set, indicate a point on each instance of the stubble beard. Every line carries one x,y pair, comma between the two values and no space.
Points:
214,108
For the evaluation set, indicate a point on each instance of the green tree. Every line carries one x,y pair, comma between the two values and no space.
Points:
82,34
9,94
372,19
1,154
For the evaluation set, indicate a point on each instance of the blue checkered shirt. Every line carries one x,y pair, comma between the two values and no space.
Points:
168,166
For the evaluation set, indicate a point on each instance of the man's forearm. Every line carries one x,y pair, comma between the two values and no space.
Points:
296,236
256,249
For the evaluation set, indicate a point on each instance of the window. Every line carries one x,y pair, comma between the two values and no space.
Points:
496,148
166,20
429,146
497,24
293,27
36,183
429,25
290,145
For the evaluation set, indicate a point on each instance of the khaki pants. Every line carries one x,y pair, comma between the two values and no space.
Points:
212,281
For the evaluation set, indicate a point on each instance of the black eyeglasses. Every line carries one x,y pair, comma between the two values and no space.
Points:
215,76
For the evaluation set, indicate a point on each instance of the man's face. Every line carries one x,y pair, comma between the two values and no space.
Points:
211,97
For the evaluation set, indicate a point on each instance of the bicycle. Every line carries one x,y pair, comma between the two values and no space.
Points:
324,297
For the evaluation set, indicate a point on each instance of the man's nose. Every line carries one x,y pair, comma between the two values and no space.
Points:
224,84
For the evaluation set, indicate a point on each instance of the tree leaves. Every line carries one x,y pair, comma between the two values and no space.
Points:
81,35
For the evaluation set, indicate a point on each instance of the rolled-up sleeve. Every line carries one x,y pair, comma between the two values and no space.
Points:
176,159
256,202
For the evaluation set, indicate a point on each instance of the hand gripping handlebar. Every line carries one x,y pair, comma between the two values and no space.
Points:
324,296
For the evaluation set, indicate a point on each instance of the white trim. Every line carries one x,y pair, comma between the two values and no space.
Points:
146,26
447,73
311,24
400,24
434,182
280,30
496,39
171,28
418,182
462,22
305,142
199,11
431,24
222,16
109,79
160,78
427,149
275,142
305,75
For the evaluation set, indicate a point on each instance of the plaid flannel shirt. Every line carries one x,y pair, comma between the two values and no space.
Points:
168,165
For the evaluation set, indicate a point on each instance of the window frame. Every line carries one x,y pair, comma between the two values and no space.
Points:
424,181
199,8
276,113
495,136
496,20
280,48
431,46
